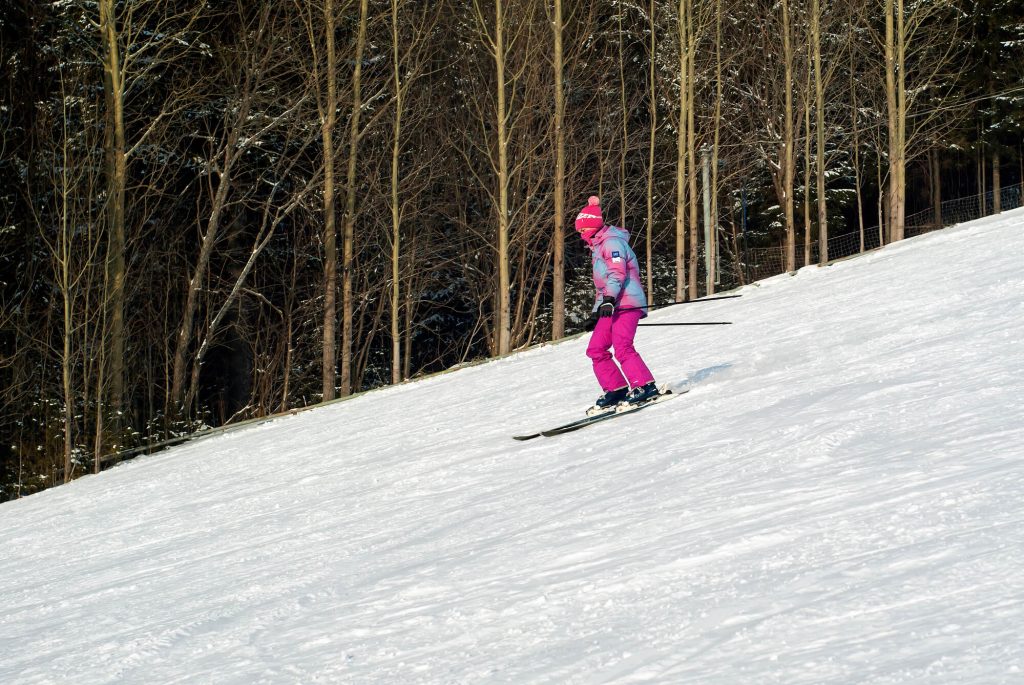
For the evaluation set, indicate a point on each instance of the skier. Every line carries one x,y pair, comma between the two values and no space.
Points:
619,305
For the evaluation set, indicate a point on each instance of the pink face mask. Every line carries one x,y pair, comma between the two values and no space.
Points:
588,235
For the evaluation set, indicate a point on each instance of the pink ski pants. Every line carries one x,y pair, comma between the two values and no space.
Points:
616,333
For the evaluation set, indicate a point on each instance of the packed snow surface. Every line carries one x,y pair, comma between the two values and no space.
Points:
838,499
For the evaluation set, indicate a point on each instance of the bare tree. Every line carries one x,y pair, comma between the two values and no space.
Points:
136,41
712,246
789,136
348,237
767,118
683,145
695,26
408,59
806,106
245,126
328,105
66,227
505,35
558,239
918,56
652,140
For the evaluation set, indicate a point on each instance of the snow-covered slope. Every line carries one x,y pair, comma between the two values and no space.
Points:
839,499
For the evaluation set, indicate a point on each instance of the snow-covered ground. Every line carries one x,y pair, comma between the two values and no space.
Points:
839,499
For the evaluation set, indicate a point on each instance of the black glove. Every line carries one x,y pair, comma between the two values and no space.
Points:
591,323
607,307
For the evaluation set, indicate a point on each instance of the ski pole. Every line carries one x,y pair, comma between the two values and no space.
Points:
692,323
672,304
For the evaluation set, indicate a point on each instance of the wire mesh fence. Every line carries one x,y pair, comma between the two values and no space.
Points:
759,263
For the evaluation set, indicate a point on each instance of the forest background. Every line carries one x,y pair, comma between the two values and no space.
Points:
216,210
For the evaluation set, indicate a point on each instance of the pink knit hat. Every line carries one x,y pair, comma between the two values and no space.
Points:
589,219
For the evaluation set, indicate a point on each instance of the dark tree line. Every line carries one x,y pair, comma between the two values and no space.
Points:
216,210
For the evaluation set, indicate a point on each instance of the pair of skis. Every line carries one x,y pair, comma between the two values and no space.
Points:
664,395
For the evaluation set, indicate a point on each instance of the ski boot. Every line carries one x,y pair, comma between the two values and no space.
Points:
608,401
642,394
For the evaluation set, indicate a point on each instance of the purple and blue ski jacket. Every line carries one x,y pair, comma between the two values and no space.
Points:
616,272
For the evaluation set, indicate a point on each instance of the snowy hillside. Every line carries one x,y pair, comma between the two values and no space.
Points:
839,499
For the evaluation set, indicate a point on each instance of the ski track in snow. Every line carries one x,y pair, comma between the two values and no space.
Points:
839,499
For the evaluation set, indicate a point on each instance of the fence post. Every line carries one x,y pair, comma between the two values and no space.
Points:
710,235
743,226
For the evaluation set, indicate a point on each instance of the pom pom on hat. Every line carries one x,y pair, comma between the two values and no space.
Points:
590,218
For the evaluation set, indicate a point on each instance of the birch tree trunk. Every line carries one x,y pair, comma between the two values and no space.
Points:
895,98
348,239
328,114
62,255
624,113
789,158
692,146
682,145
503,322
653,106
819,110
807,162
396,221
713,245
116,181
558,240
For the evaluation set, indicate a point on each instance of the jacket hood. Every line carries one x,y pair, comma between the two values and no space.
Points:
609,232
